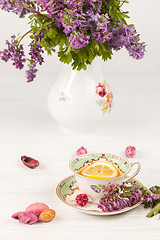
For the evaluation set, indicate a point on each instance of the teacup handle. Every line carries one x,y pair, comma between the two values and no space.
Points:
136,172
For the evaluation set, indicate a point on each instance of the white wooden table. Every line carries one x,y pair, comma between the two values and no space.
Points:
27,129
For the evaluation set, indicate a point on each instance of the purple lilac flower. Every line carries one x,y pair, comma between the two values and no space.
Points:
36,52
52,7
154,188
81,21
14,52
13,6
102,37
74,4
110,187
95,4
5,55
75,16
125,36
101,33
31,73
137,50
85,17
114,200
149,197
69,24
110,206
78,40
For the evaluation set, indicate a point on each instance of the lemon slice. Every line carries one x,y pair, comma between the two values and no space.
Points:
100,169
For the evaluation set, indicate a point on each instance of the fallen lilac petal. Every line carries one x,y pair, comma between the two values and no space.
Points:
81,151
29,162
25,217
130,151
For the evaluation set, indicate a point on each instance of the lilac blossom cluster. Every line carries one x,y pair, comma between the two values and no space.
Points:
14,52
154,189
77,23
35,53
151,196
113,199
118,197
125,36
80,20
16,6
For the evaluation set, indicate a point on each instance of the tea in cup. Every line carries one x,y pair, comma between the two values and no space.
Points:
95,170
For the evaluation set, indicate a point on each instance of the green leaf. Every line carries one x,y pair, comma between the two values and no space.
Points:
126,194
51,33
154,211
68,10
66,58
157,191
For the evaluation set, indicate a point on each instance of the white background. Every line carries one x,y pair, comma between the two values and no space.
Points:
27,128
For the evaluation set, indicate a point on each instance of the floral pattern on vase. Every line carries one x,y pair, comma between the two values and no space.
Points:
104,92
72,100
64,97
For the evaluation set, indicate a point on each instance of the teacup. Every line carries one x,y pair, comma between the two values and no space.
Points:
93,186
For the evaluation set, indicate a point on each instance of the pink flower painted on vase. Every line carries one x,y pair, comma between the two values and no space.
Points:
101,90
105,97
81,151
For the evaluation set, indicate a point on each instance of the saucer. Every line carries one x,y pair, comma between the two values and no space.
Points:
67,190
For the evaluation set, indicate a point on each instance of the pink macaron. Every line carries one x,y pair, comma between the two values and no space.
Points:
37,208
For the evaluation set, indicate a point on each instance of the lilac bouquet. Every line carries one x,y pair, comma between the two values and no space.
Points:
81,29
128,194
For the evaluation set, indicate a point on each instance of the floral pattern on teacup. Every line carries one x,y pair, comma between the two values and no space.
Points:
104,92
103,188
95,188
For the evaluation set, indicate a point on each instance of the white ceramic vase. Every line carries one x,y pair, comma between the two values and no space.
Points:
80,100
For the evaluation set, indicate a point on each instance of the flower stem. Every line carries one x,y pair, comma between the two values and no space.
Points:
29,9
122,4
24,36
